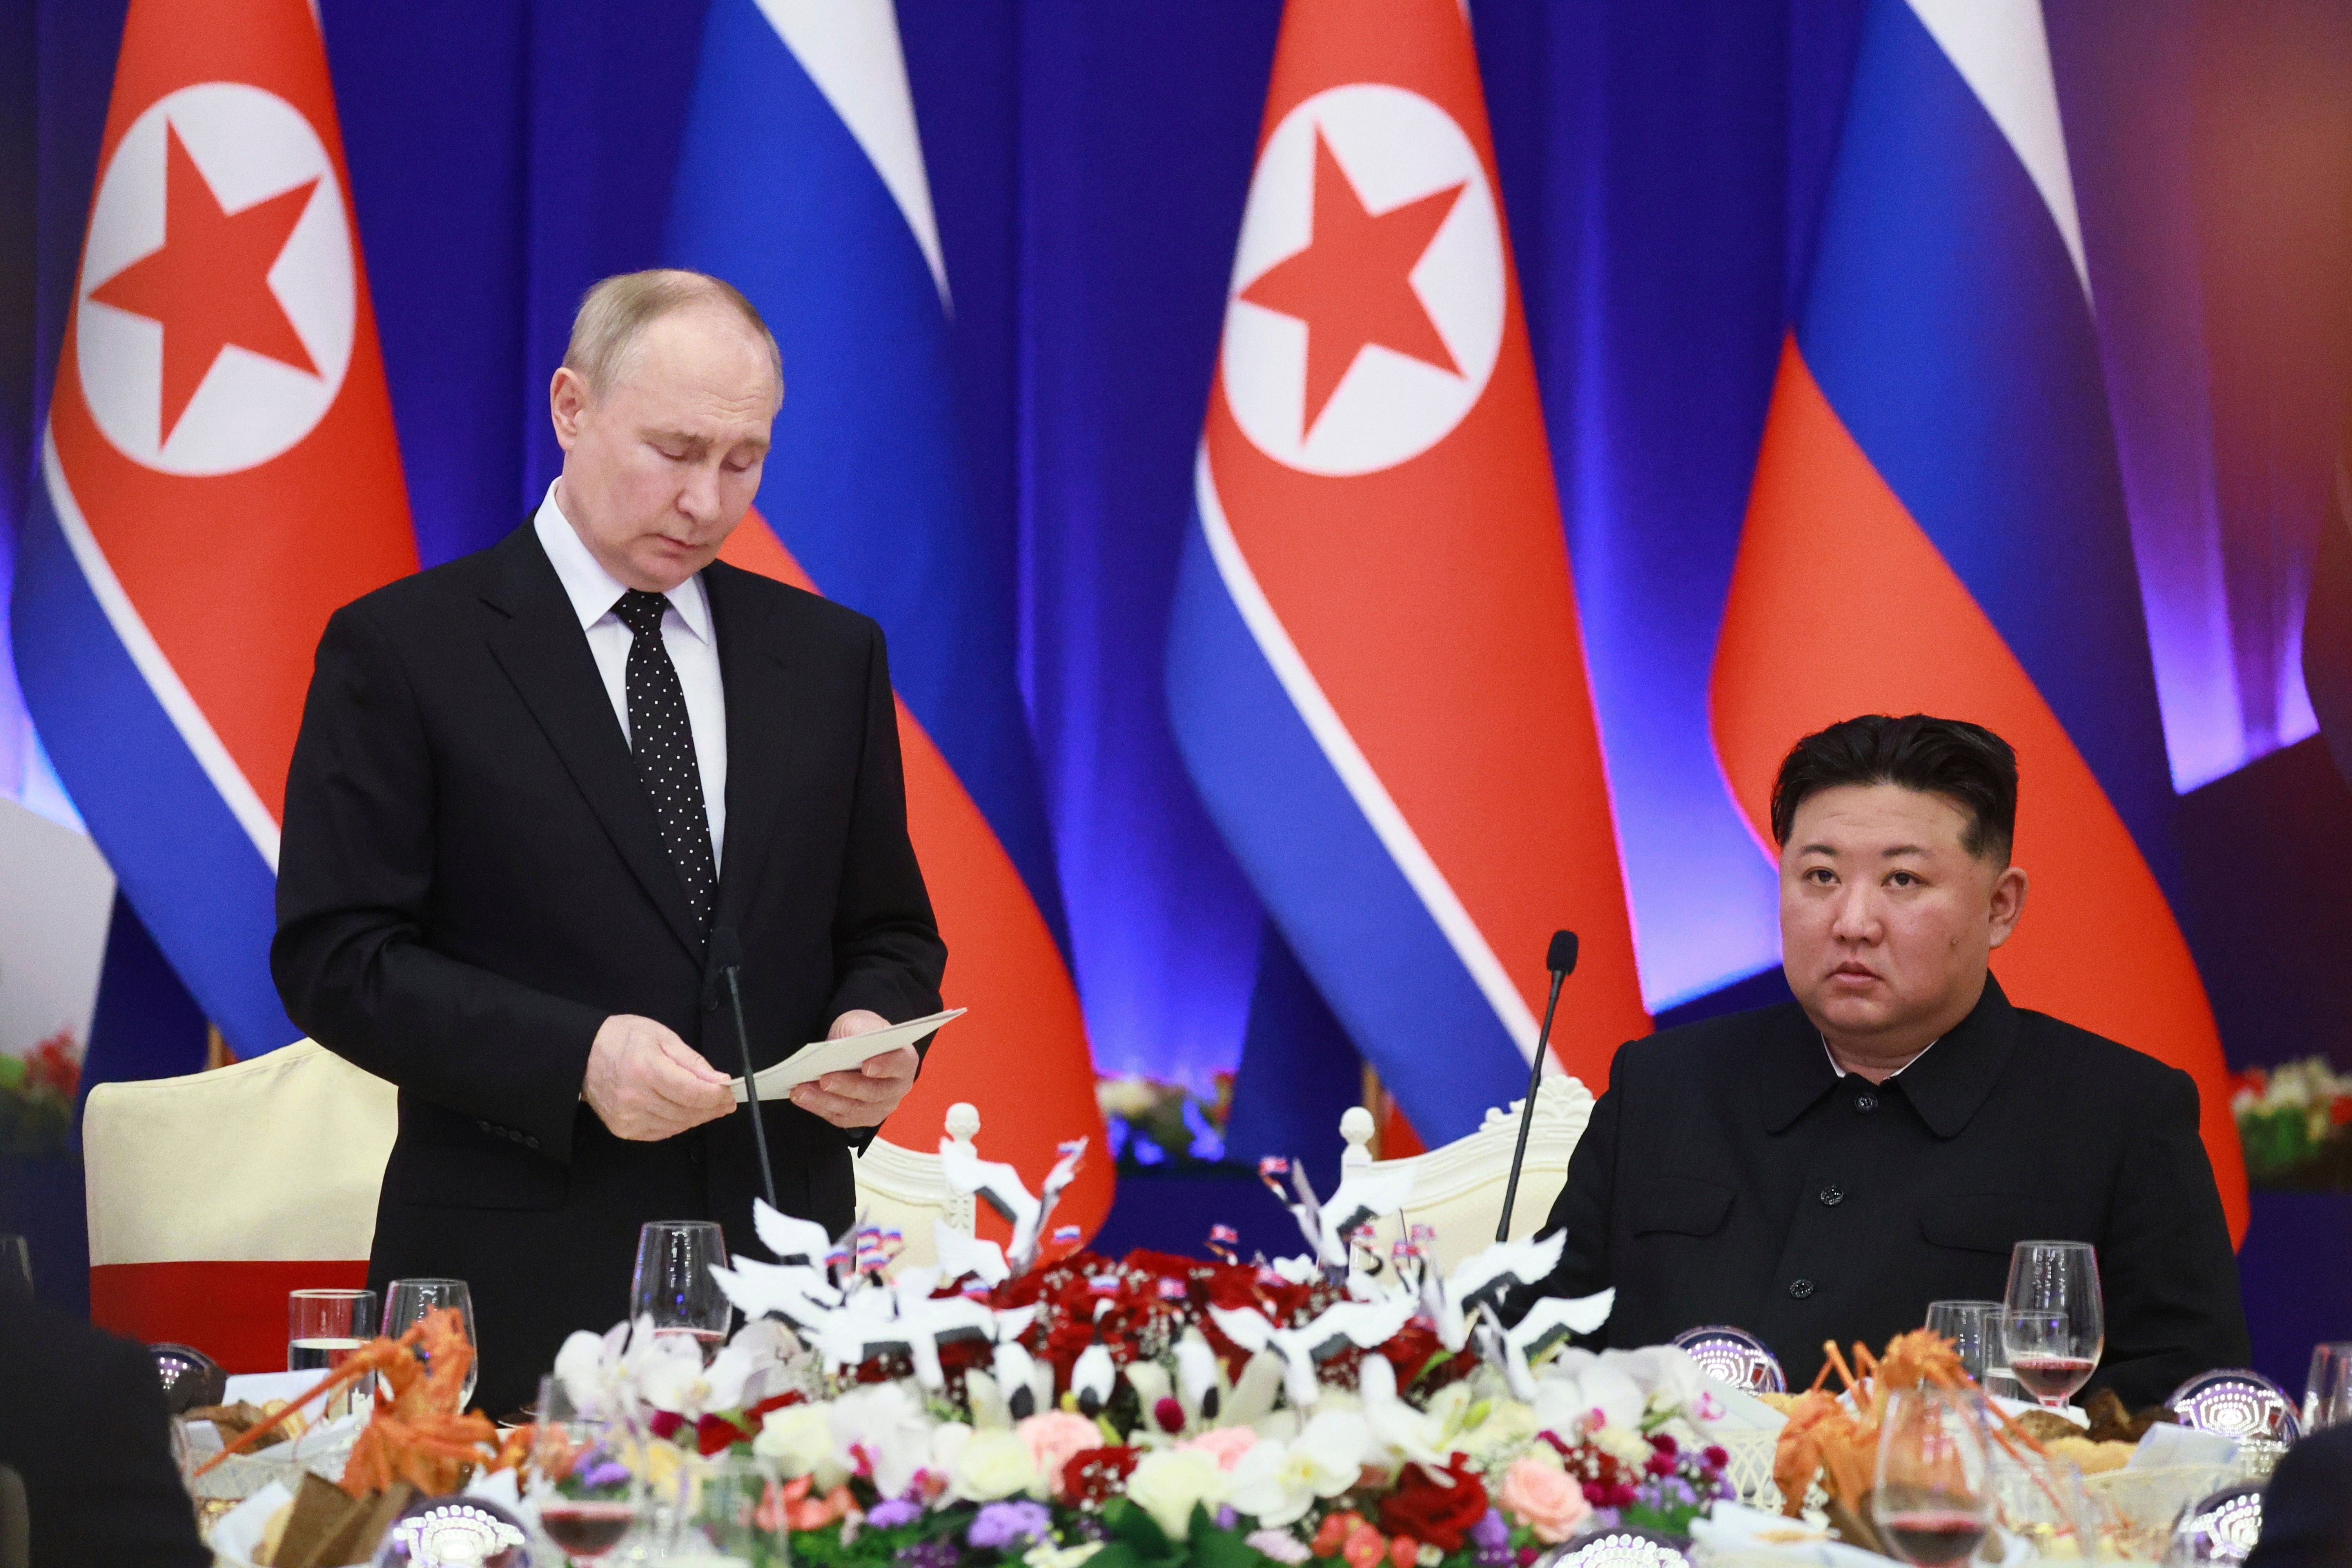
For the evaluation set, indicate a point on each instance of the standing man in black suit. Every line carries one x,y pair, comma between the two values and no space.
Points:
1823,1169
529,785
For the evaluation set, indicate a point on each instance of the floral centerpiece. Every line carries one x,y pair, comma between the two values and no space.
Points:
1155,1124
1051,1406
37,1096
2295,1121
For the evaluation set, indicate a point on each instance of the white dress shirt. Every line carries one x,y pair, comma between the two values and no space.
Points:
686,632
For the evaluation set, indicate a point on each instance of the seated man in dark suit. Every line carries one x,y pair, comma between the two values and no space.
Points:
2307,1507
1823,1170
82,1422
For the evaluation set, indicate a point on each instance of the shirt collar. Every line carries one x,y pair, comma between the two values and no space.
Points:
1834,1068
595,591
1946,1086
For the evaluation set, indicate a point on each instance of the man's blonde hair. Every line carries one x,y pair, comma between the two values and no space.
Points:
615,312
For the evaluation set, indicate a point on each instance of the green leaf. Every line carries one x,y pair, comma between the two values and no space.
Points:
1129,1525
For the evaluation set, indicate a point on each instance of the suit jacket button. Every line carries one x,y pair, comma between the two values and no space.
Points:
529,1140
1865,1101
1800,1289
1831,1196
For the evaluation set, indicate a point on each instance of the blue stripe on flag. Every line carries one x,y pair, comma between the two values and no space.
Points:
1355,924
866,483
186,864
1947,328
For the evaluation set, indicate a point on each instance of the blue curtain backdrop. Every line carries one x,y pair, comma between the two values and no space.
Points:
1661,163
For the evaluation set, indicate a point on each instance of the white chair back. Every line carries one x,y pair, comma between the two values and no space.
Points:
212,1195
1457,1189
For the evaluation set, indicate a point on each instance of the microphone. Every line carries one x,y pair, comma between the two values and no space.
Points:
1561,958
726,958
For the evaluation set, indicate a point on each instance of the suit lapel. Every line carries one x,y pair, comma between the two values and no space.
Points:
762,731
535,637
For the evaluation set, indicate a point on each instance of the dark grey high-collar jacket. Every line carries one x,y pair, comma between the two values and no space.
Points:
1730,1176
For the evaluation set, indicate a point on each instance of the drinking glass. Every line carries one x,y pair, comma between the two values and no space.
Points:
322,1328
1974,1329
15,1267
2054,1325
588,1493
1933,1497
727,1515
2327,1391
406,1300
674,1285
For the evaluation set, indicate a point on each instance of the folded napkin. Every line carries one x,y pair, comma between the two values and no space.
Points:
1743,1412
1736,1530
2165,1443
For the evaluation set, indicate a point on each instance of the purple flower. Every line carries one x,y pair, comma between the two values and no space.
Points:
1227,1517
1001,1525
1493,1530
940,1552
892,1512
606,1473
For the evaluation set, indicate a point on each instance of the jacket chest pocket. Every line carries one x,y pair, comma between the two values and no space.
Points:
1679,1206
1985,1222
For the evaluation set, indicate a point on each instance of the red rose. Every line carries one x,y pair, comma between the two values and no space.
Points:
1093,1475
715,1434
1437,1508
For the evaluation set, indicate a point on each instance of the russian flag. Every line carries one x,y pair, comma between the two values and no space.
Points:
1375,667
1937,523
801,182
218,472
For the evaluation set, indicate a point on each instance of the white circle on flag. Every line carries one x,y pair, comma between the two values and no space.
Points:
1394,148
249,145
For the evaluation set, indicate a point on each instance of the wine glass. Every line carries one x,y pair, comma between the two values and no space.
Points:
1934,1495
587,1491
729,1512
409,1299
674,1285
2327,1391
2054,1325
322,1328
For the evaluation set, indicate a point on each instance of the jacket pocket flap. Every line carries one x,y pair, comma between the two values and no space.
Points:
458,1176
1681,1204
1981,1222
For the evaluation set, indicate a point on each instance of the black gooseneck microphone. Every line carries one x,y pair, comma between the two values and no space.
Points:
726,959
1561,958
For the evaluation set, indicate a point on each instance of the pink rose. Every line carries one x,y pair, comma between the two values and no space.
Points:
1226,1445
1054,1437
1538,1493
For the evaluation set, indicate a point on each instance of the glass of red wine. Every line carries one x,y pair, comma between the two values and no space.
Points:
674,1286
588,1494
2053,1320
1934,1498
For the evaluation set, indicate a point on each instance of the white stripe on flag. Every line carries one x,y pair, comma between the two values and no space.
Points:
850,49
1348,760
194,728
2002,51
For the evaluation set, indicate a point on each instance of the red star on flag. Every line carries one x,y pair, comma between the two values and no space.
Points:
209,285
1353,283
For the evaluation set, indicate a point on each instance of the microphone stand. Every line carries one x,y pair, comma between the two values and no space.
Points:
752,1083
1535,1074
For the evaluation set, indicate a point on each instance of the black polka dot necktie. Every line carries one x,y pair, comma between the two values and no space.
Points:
664,744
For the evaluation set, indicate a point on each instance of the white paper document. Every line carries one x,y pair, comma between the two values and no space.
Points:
816,1060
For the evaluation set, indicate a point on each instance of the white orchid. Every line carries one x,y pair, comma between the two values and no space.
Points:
1580,1391
589,1368
1277,1482
884,1426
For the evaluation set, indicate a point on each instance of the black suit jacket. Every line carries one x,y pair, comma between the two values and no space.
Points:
472,880
82,1421
1730,1176
2307,1507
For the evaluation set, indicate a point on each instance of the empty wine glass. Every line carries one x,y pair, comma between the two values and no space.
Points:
2327,1391
587,1491
674,1285
2055,1324
406,1300
1933,1497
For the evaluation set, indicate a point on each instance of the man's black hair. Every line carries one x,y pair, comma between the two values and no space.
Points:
1965,763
